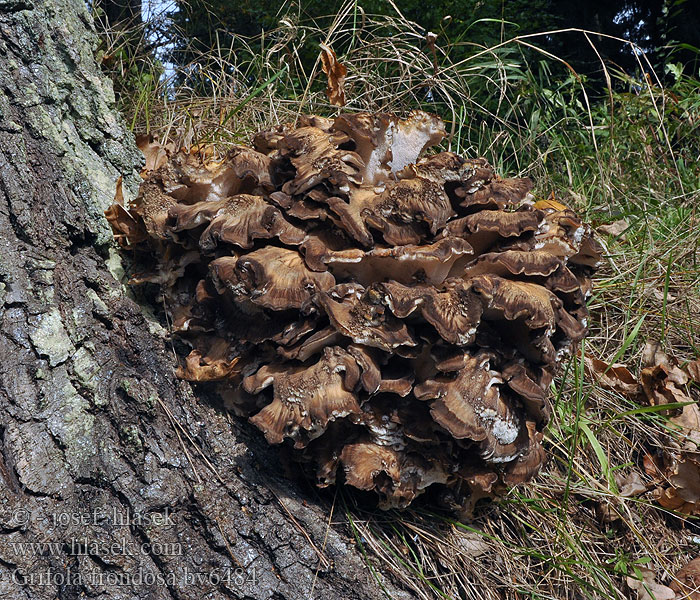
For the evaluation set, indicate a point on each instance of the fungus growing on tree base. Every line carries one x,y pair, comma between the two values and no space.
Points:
395,319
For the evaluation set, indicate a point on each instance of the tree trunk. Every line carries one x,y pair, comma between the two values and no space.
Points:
115,481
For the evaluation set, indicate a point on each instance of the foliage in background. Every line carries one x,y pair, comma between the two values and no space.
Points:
464,26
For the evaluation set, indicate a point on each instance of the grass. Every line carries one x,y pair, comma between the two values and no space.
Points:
629,153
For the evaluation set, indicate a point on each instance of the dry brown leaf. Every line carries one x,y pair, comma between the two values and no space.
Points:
615,229
336,72
652,467
683,495
677,375
693,369
681,473
689,423
653,355
631,485
119,193
156,156
648,589
683,467
127,230
606,512
661,384
473,544
550,202
687,581
615,377
677,471
661,295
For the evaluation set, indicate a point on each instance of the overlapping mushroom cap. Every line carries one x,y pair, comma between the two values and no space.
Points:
397,320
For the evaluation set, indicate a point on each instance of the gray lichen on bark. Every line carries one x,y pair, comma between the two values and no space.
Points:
93,423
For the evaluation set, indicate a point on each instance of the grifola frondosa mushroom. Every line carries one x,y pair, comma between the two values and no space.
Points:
395,319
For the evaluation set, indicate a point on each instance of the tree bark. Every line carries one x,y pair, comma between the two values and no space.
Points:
116,482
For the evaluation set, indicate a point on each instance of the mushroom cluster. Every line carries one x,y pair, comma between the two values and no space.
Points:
396,320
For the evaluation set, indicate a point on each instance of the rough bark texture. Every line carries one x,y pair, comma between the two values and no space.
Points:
94,428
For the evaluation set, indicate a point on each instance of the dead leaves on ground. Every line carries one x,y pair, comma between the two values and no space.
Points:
686,583
693,369
684,586
682,476
631,485
648,589
616,229
615,377
675,469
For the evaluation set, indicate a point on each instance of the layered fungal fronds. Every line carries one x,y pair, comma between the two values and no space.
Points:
396,319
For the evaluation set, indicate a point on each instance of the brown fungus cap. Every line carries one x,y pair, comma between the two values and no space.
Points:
470,406
189,179
305,399
316,157
365,322
275,278
453,308
501,193
238,220
394,317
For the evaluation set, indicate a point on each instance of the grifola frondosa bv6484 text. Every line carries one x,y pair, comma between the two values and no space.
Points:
396,319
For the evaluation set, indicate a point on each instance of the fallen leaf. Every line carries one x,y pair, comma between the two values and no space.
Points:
653,355
156,156
659,295
648,589
615,229
677,469
606,512
652,466
473,544
127,230
693,369
336,72
661,384
631,485
615,377
550,202
683,494
688,423
681,469
687,581
119,192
